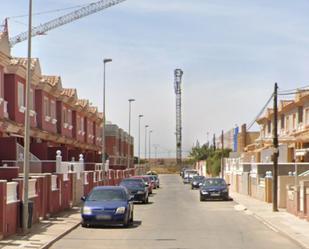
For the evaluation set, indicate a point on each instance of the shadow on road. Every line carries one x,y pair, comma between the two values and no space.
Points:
136,224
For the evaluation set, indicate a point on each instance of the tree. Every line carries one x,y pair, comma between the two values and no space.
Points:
213,157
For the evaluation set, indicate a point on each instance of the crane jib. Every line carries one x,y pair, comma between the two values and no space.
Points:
70,17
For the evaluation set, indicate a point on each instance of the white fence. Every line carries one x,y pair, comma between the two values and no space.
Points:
11,192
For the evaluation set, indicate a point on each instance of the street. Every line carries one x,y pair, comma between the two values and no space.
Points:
175,218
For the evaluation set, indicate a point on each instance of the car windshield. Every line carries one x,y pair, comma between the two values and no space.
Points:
198,178
214,182
107,195
132,183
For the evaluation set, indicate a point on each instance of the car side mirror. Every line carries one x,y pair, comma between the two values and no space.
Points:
131,198
228,184
83,198
146,184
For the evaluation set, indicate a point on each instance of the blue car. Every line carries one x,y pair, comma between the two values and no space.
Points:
214,188
107,205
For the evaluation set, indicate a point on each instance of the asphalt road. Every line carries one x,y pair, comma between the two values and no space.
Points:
176,219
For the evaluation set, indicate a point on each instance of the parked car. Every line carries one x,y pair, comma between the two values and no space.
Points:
153,181
157,180
214,188
151,172
148,182
188,175
182,171
197,181
107,205
137,188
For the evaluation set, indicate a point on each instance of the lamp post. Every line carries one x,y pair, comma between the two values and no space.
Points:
104,114
150,144
139,137
129,142
146,126
27,128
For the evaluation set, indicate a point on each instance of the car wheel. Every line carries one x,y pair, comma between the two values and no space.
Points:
201,198
84,224
131,219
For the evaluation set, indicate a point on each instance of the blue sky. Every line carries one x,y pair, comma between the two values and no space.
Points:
231,53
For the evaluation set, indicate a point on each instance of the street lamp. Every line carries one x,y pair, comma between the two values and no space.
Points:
129,142
27,129
146,126
139,137
150,143
104,114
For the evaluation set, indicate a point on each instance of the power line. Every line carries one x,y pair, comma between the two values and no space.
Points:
49,11
261,112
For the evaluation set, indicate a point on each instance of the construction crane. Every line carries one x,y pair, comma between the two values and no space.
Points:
62,20
177,85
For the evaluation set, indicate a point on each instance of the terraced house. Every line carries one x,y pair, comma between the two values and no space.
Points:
59,119
293,131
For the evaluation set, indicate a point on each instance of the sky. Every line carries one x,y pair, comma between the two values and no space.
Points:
231,53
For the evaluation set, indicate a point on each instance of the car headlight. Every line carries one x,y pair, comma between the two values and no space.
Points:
224,191
194,183
120,210
87,210
204,192
140,192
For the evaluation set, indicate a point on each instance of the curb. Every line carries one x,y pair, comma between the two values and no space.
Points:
275,228
53,241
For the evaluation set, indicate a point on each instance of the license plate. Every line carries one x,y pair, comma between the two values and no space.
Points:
214,194
103,217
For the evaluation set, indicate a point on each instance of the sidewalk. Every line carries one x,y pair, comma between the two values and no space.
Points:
282,221
44,233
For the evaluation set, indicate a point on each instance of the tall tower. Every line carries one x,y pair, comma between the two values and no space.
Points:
177,85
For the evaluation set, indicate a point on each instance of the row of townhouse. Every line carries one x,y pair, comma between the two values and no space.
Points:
59,119
293,131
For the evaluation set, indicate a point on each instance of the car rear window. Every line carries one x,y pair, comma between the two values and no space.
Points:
107,195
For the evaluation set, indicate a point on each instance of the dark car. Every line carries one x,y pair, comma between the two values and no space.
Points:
197,181
148,182
137,188
107,205
214,188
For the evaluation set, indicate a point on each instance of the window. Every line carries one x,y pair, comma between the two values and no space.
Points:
31,99
1,82
307,115
46,107
269,126
300,114
282,121
82,124
294,121
287,122
21,97
64,115
53,109
70,117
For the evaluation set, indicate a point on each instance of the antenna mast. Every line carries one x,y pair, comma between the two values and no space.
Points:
177,85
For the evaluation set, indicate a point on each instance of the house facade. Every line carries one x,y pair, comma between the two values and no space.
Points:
59,119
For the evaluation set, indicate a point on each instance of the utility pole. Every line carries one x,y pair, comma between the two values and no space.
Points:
25,211
275,152
139,138
149,146
222,159
129,140
104,114
146,126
